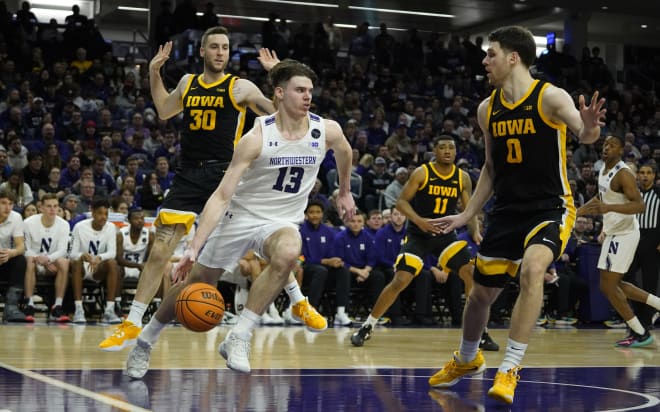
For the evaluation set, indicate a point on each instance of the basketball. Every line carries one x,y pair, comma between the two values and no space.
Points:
200,307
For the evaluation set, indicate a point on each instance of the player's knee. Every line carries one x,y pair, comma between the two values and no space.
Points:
399,283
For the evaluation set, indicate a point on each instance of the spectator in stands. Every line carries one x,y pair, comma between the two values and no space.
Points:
46,245
374,183
132,170
86,199
138,151
394,189
34,174
86,173
374,222
163,173
113,164
75,130
53,185
21,190
5,168
151,194
52,159
355,246
93,257
316,196
167,147
16,153
105,184
12,258
400,142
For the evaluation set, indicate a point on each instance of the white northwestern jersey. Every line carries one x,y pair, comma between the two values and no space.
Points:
134,252
50,241
101,243
615,223
10,229
278,182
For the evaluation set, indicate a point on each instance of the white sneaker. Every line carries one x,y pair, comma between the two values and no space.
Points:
137,363
79,316
229,319
110,317
275,315
342,320
289,319
237,353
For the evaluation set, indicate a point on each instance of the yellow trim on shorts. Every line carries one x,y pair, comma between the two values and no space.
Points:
449,252
497,266
417,263
534,231
568,221
175,217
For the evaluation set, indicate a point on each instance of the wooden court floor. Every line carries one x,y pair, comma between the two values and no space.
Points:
58,367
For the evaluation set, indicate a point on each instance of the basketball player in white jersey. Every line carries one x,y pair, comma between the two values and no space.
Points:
258,205
133,244
618,201
46,246
93,256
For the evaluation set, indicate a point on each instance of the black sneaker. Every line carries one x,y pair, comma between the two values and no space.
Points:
635,340
487,343
29,313
358,338
58,315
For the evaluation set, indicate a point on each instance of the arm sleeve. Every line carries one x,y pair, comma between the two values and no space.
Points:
61,241
110,237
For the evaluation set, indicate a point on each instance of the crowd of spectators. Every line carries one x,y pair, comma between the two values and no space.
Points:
78,121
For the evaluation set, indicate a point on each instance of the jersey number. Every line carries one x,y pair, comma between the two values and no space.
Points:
132,257
204,119
440,206
514,154
295,175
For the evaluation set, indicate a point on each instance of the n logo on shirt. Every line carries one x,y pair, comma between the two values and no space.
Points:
93,247
45,245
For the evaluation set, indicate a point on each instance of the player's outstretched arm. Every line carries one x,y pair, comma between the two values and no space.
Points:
167,104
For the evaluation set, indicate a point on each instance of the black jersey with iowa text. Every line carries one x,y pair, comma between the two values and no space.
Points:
212,121
528,153
437,196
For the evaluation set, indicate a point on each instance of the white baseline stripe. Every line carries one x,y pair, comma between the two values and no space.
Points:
125,406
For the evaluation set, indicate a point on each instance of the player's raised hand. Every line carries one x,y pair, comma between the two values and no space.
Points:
267,58
183,266
161,57
594,114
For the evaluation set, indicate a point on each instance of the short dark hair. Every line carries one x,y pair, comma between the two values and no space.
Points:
133,211
516,39
213,30
618,138
8,194
315,203
98,202
283,71
443,137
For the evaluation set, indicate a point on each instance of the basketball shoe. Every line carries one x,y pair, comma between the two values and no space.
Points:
364,333
123,336
29,313
504,385
635,340
306,313
236,352
137,363
58,315
110,317
454,370
487,343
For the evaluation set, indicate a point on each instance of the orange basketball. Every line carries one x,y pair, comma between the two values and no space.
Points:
200,307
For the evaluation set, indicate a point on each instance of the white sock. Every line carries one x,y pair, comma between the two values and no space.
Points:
152,331
272,310
78,304
110,306
341,310
31,301
137,312
246,324
654,301
467,351
370,321
636,325
294,292
513,355
58,301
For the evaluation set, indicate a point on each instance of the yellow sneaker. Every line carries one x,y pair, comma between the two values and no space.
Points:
454,370
504,385
307,314
124,336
